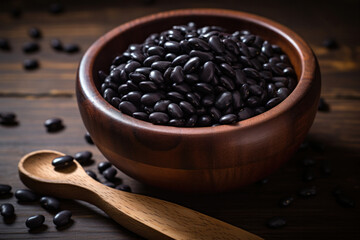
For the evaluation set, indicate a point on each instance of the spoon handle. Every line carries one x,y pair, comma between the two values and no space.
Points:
157,219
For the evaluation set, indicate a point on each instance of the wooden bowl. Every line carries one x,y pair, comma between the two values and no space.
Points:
207,159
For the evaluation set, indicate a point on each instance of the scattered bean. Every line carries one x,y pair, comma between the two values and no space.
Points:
62,218
50,203
26,195
7,210
62,161
35,221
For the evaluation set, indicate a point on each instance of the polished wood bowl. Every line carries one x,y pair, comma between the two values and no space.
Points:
207,159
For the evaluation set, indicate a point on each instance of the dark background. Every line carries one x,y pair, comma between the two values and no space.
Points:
49,92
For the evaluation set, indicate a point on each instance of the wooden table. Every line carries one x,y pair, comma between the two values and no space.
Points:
49,92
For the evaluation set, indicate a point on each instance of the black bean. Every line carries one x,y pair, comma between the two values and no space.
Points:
244,91
141,116
127,107
62,161
88,138
193,99
224,100
330,43
282,93
34,32
176,122
62,218
231,46
199,44
131,66
8,118
248,39
192,64
71,48
159,118
109,93
156,50
255,90
4,44
228,70
56,8
204,56
251,72
208,100
109,173
216,44
273,102
30,64
323,106
208,72
177,75
150,60
175,111
149,99
175,96
191,121
253,101
204,88
148,86
276,222
109,184
160,65
7,210
4,189
172,46
286,201
137,77
143,70
246,113
156,76
308,192
30,47
191,78
271,90
182,88
120,60
204,121
187,107
91,174
83,157
228,119
343,199
26,195
137,56
102,166
180,60
35,221
236,100
53,124
123,187
161,106
50,203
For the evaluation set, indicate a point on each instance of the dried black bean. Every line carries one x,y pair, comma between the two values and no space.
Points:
102,166
193,99
286,201
127,107
182,88
109,173
161,106
83,157
216,44
204,88
204,121
224,100
245,113
160,65
175,111
199,44
53,124
156,76
180,60
176,122
35,221
30,64
204,56
34,32
88,138
149,99
330,43
150,60
276,222
191,121
91,174
156,50
175,96
191,78
50,203
71,48
228,119
253,101
30,47
208,72
192,64
272,102
141,116
123,187
109,184
148,86
159,118
7,210
109,93
26,195
323,105
177,75
62,218
4,189
62,161
187,107
8,118
282,93
227,82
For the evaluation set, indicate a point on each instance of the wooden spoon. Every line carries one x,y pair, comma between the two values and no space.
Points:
149,217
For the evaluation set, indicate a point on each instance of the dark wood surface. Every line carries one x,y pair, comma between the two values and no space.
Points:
49,91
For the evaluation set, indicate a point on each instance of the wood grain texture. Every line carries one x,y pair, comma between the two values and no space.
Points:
30,95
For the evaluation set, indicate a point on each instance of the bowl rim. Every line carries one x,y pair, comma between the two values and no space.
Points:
91,93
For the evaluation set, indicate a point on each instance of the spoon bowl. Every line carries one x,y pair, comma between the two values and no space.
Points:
149,217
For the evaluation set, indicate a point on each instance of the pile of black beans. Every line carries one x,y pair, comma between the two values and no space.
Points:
198,77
